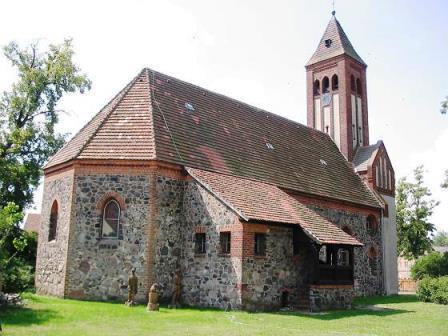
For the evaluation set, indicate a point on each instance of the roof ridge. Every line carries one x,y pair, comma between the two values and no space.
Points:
106,117
258,109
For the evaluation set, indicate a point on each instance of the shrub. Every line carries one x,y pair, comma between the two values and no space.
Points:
431,265
433,290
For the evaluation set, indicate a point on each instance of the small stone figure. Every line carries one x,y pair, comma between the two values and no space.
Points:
175,300
132,289
153,296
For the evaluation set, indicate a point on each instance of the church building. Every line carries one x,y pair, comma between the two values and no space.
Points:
252,210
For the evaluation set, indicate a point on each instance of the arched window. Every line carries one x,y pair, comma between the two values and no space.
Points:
358,87
316,87
325,85
353,83
53,221
111,219
334,82
372,225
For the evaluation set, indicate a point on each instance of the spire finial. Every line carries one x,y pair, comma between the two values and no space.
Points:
333,12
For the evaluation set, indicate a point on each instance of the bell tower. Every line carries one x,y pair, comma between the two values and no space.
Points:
337,91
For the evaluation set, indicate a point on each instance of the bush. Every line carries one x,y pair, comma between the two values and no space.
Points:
431,265
433,290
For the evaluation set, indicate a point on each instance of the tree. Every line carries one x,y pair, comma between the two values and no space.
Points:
17,251
28,115
440,239
414,207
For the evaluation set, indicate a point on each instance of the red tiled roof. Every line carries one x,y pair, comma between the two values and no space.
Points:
32,222
160,117
254,200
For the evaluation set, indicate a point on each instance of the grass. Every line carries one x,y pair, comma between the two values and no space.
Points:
394,315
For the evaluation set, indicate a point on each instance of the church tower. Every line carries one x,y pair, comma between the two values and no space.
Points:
337,91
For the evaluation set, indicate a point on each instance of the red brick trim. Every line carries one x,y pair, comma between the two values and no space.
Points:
200,229
107,197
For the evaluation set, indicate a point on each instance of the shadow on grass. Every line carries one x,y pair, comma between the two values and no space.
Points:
390,299
23,316
339,314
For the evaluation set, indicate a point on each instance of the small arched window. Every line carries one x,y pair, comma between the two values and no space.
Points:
111,219
358,87
334,82
372,225
53,221
325,85
316,87
353,83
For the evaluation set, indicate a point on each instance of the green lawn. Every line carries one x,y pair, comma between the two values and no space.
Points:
395,315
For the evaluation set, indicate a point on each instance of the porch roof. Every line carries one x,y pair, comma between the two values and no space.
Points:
258,201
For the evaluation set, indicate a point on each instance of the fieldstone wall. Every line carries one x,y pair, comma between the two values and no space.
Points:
368,275
322,298
51,256
170,233
267,277
210,279
99,268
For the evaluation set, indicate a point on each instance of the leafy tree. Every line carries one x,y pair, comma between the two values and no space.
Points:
434,264
28,115
414,207
440,239
17,251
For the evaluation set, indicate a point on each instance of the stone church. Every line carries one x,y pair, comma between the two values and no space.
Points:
252,210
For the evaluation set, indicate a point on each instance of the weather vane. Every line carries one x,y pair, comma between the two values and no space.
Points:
333,12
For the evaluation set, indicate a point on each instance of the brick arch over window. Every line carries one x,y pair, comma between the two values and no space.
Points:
53,223
106,198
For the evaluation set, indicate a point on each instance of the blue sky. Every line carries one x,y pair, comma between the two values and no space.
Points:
255,51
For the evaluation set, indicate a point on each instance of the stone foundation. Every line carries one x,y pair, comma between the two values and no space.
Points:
330,297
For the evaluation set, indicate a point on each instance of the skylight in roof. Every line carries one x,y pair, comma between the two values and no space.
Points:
269,145
323,162
189,107
328,43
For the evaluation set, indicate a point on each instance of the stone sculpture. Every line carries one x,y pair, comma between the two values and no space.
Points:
175,300
153,296
132,289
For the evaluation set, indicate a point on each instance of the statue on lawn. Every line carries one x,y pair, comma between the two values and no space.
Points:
132,289
153,304
177,290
